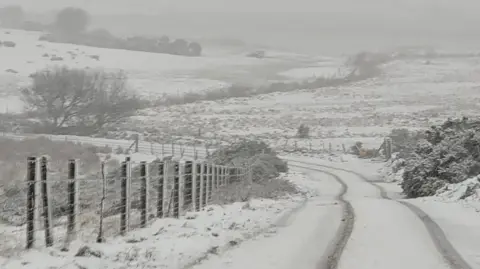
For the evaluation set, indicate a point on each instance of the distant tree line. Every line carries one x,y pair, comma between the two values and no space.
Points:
71,26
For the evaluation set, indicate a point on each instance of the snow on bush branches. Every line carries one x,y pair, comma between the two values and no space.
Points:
444,154
265,166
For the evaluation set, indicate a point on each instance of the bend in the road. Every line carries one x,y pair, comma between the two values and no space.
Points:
450,255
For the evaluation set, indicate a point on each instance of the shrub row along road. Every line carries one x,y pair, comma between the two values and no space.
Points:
379,232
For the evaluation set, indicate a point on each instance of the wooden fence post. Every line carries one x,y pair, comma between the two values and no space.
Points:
47,209
160,192
176,187
205,185
137,138
167,176
100,237
225,176
235,174
31,176
214,177
144,194
189,178
388,148
73,203
194,177
181,188
201,190
210,182
129,192
220,172
123,198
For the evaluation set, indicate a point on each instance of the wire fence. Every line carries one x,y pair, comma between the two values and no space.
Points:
46,211
55,208
195,151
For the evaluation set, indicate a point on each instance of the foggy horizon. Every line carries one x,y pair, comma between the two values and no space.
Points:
305,26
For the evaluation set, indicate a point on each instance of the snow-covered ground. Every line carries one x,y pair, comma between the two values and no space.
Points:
408,94
176,243
458,217
150,75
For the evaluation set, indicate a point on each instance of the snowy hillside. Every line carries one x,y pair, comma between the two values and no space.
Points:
150,74
408,94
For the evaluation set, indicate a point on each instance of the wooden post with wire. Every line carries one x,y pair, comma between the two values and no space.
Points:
144,194
73,206
31,178
101,237
47,209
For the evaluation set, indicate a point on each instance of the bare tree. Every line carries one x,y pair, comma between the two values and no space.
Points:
195,49
79,101
72,21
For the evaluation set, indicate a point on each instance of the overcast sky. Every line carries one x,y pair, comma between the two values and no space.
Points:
155,6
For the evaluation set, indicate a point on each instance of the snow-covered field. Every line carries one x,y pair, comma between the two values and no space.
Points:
409,94
150,75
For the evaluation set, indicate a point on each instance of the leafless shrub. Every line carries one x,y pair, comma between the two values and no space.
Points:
77,101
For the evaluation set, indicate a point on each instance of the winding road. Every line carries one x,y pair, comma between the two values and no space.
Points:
379,232
351,224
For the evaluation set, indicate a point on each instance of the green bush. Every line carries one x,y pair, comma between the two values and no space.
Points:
263,160
450,153
265,166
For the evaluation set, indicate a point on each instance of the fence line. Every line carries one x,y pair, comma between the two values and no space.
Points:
132,196
121,198
194,151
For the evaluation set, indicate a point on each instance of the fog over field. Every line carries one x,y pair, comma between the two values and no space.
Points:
307,26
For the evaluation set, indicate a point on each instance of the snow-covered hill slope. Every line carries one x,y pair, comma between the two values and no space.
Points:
151,74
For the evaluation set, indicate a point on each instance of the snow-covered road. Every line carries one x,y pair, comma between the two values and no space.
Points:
350,223
300,243
385,234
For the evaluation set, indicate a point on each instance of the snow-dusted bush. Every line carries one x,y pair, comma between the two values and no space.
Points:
404,141
265,165
450,153
257,154
303,131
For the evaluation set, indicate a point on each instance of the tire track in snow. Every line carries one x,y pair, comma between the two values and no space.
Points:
450,255
335,249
